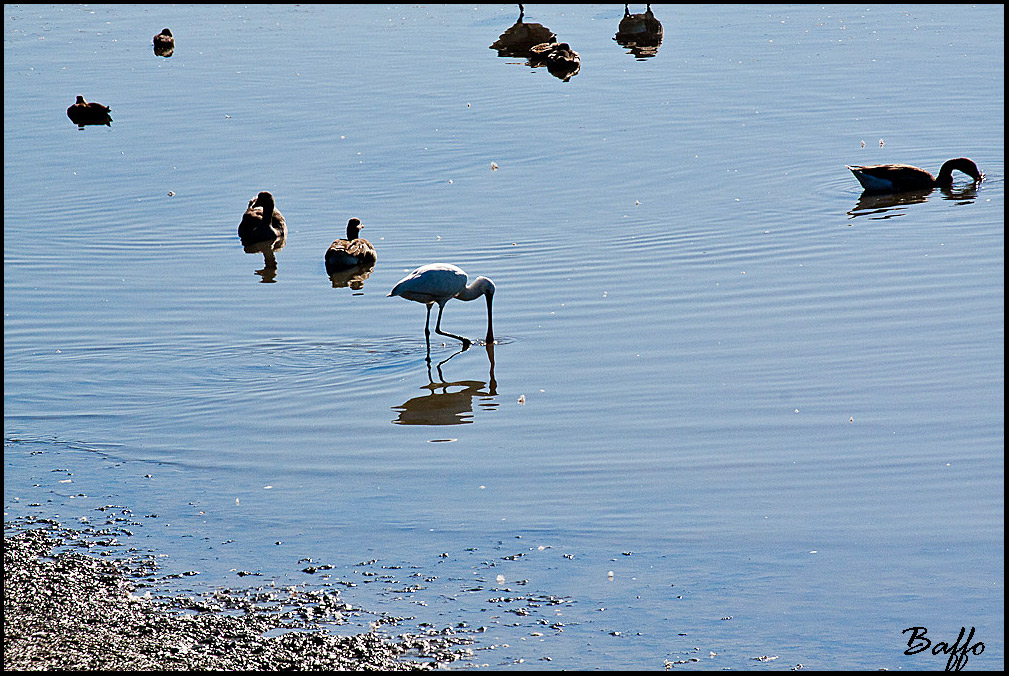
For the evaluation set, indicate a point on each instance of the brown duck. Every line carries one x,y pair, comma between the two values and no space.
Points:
164,43
884,178
563,62
262,221
351,252
82,113
641,33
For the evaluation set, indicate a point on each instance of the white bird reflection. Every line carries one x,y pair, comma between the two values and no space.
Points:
449,403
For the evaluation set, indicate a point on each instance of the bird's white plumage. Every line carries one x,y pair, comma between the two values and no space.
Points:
433,283
439,283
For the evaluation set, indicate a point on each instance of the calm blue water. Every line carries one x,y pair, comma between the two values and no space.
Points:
772,410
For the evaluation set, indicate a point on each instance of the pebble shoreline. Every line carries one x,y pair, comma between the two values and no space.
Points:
65,609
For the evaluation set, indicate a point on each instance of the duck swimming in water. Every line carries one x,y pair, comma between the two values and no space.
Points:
164,43
563,62
640,33
887,178
262,221
82,113
538,54
351,252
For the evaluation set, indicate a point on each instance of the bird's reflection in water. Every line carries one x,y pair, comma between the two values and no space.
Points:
268,248
449,403
880,207
521,37
353,277
640,33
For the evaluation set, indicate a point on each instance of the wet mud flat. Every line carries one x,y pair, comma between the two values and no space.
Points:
65,608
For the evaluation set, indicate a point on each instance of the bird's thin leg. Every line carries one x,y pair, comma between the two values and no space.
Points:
437,329
427,335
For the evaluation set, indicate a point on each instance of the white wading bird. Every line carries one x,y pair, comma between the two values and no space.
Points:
438,283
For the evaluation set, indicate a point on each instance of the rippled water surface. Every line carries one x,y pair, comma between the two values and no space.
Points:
735,409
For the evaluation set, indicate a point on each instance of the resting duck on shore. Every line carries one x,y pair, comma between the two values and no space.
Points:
350,252
262,221
882,178
82,113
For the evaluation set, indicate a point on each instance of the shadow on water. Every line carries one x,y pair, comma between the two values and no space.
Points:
641,34
880,207
449,403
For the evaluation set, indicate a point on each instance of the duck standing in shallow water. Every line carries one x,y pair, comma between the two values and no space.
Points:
82,113
439,283
351,252
164,43
887,178
262,221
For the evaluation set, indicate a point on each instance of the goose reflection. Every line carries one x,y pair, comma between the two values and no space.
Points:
449,403
884,206
640,33
521,37
268,248
353,277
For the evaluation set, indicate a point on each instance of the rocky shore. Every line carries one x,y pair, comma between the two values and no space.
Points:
65,608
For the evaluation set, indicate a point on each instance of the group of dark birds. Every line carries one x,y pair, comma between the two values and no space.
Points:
640,33
263,224
263,227
83,113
